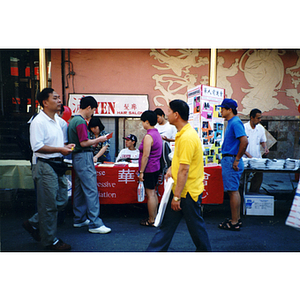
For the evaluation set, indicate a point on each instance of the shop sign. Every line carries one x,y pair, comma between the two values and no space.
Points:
113,105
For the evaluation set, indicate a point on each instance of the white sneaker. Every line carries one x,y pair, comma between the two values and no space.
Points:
85,223
101,229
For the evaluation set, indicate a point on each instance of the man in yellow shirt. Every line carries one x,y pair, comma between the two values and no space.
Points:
187,172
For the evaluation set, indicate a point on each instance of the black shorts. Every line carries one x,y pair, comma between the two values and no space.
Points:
150,180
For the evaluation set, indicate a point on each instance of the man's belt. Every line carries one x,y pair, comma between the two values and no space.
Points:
57,164
230,155
80,151
61,159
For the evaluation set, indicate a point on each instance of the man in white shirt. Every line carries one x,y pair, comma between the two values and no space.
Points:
130,153
256,136
165,129
31,224
48,144
63,124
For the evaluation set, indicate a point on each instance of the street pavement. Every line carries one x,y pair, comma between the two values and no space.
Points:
260,261
258,234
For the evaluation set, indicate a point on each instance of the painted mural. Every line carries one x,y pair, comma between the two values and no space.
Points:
264,72
178,78
223,73
295,80
267,79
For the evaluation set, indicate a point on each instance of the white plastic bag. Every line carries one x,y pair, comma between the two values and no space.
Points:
141,192
164,201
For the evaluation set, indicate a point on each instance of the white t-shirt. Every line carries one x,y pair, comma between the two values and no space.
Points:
255,137
167,130
64,127
45,131
126,154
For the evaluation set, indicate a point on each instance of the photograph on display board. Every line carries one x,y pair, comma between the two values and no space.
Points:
212,130
196,104
206,119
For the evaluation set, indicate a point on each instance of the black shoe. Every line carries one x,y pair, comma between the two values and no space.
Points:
34,232
59,245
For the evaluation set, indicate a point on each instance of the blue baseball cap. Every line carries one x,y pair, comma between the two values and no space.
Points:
229,103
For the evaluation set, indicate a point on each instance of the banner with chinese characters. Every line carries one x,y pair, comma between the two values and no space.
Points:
118,184
213,185
205,116
113,105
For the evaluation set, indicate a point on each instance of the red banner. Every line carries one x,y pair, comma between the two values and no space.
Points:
213,185
118,185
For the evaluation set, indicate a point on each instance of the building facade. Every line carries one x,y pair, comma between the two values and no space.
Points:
267,79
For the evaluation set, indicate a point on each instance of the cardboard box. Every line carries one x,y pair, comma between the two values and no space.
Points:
259,205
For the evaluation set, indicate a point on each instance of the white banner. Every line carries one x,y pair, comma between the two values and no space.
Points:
113,105
212,93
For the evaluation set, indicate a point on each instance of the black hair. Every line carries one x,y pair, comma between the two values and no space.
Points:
234,111
181,107
159,112
88,101
134,142
94,122
253,112
44,95
150,116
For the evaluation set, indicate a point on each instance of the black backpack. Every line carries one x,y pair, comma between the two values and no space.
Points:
23,140
165,162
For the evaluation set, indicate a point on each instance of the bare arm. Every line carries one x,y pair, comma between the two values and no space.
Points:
248,154
102,150
67,149
148,142
98,140
182,176
264,145
242,148
166,139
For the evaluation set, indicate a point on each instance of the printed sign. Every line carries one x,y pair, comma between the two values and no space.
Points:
212,93
110,105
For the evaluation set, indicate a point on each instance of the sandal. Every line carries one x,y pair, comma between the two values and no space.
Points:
146,222
227,225
239,222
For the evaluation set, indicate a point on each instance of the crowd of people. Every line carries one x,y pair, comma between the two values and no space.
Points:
88,143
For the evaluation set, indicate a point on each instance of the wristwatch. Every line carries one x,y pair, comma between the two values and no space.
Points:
176,198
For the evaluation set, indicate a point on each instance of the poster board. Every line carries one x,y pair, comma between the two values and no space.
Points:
205,116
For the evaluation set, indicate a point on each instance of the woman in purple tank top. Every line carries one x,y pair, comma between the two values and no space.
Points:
149,163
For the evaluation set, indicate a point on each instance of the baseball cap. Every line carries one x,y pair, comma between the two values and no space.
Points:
131,137
229,103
